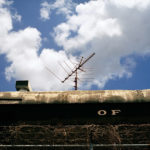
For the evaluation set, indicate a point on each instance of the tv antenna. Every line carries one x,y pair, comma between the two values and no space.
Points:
75,70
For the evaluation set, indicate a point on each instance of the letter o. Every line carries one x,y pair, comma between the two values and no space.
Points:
102,112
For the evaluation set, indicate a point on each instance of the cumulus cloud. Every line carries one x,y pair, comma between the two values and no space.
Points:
45,11
17,17
114,29
42,71
138,4
5,20
91,22
63,7
21,49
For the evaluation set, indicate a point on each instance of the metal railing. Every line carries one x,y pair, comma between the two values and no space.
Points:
90,146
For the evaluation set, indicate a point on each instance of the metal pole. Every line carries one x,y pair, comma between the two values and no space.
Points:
79,145
91,140
76,80
91,146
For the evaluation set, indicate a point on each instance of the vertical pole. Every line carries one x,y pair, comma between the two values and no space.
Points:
76,80
91,146
91,140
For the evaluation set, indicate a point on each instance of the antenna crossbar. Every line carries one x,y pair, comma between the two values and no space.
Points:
78,68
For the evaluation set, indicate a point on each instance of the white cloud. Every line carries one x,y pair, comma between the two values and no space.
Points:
17,17
45,11
64,7
2,2
138,4
5,20
113,29
21,49
90,22
34,68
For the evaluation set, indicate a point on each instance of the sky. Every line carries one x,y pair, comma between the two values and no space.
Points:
44,40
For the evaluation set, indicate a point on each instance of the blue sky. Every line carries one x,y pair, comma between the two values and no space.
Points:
40,34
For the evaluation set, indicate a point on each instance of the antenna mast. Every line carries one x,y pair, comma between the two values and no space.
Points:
76,70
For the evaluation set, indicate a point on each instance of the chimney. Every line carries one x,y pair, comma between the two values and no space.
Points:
23,85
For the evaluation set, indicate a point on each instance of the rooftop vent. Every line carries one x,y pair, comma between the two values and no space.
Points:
23,85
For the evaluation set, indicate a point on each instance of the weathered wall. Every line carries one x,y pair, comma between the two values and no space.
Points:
80,134
76,96
45,133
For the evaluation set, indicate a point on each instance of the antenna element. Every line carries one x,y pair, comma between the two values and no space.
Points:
76,70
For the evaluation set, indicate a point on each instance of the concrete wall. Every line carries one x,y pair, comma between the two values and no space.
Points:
75,96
